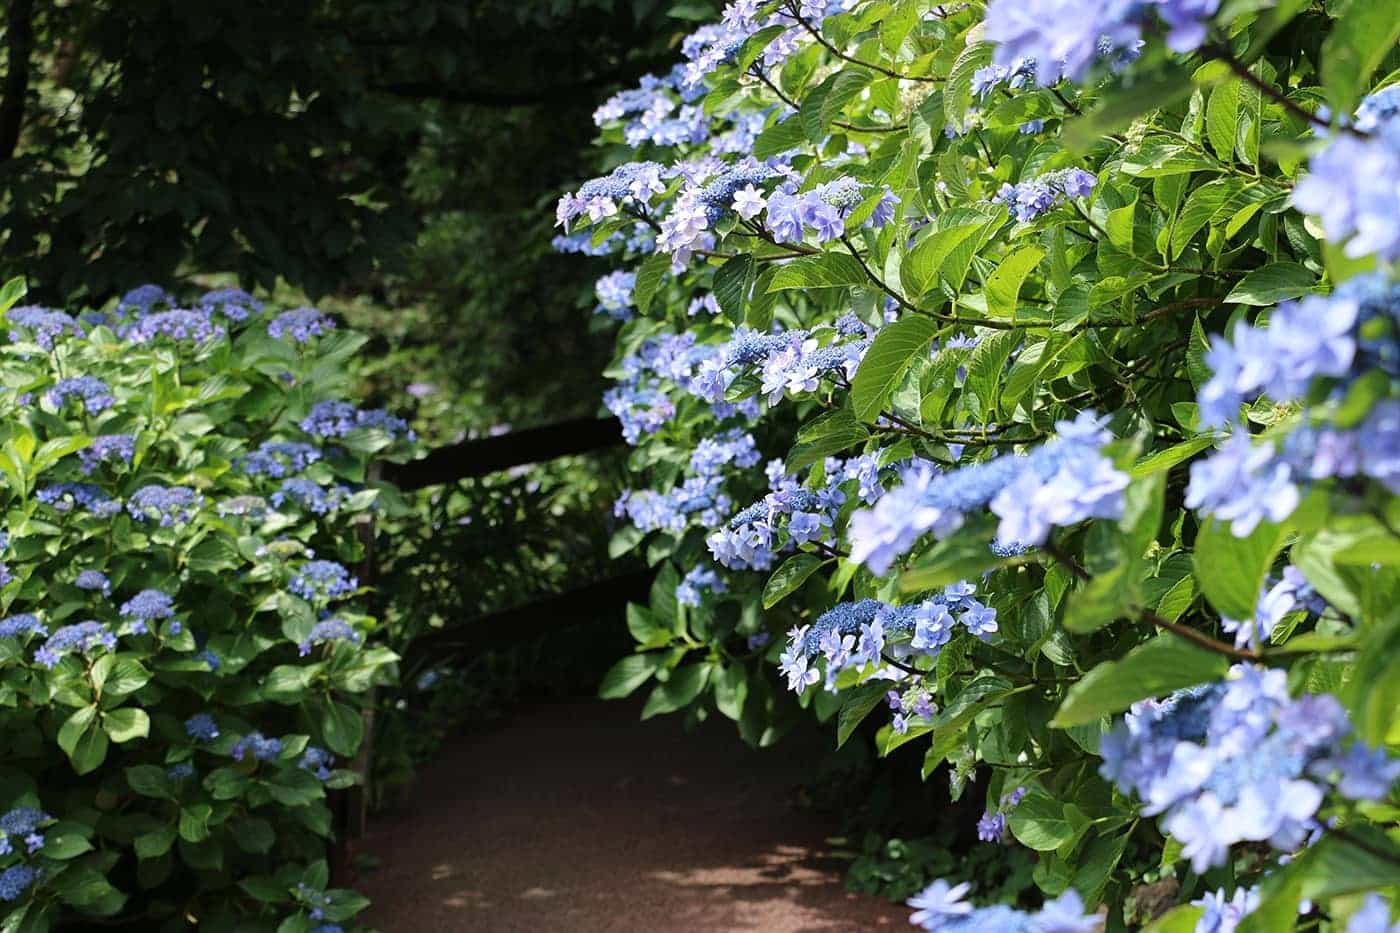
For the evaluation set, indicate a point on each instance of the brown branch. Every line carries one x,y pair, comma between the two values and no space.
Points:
1176,628
19,32
821,40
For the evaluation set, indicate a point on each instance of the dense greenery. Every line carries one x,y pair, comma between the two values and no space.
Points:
185,660
935,240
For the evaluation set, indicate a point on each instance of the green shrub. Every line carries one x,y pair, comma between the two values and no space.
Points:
181,662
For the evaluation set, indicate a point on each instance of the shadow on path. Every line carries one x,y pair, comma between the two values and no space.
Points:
577,817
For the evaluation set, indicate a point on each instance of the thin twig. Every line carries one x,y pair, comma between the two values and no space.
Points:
822,41
1176,628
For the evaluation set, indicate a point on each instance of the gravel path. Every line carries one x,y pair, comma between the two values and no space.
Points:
576,817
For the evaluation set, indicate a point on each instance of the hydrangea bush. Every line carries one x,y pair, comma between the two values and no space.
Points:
183,658
1028,370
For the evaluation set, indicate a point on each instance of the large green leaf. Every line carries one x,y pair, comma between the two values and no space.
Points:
1366,32
1153,669
1232,570
885,362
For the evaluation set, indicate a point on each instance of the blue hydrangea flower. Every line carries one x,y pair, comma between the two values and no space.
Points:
65,497
107,448
43,325
1353,186
1373,917
167,505
181,771
17,879
696,581
1063,37
21,821
94,581
302,325
81,638
303,493
326,631
337,419
259,746
17,626
277,459
202,727
178,324
1222,914
322,581
318,761
938,903
233,303
146,607
92,392
1031,199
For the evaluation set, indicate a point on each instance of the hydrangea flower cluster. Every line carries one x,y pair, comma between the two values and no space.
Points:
753,537
856,635
277,459
318,761
23,624
614,292
65,497
202,727
23,824
178,324
107,448
1036,197
320,581
941,907
233,303
1068,37
146,607
303,493
17,879
80,638
1060,483
1353,184
1241,761
94,394
301,325
699,580
1291,593
337,419
94,581
327,631
991,827
259,746
43,326
168,506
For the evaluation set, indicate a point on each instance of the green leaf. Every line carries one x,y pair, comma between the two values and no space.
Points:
919,271
780,137
155,843
194,822
149,781
1273,283
1039,822
788,577
1004,285
685,684
733,282
1231,570
1122,105
649,275
1223,117
64,845
856,704
125,724
1107,596
1155,668
731,690
886,361
11,292
1359,41
1181,919
829,270
628,674
342,728
957,91
830,434
1165,459
986,368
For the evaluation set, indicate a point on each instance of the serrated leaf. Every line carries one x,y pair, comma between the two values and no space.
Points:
1232,570
885,362
1004,285
1273,283
829,270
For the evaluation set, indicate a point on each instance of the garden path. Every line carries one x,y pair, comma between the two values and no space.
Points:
577,817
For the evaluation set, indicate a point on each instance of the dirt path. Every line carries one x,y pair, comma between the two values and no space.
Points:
576,818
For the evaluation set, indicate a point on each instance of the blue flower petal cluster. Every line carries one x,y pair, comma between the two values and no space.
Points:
43,326
941,906
301,325
321,581
233,303
277,459
305,494
168,506
107,448
1240,761
79,638
1031,199
94,394
327,631
178,324
202,727
258,745
65,497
